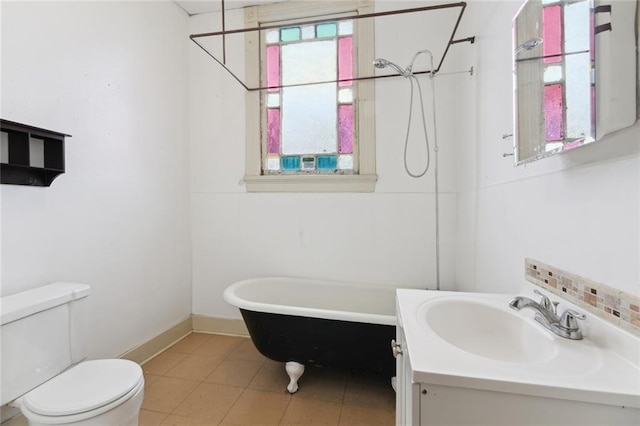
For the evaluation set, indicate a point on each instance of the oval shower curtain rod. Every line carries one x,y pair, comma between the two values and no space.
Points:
225,32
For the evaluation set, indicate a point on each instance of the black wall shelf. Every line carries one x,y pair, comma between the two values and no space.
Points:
30,155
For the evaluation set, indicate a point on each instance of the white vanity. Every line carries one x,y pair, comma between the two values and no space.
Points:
468,358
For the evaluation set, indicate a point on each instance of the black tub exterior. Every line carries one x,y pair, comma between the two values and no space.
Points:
316,341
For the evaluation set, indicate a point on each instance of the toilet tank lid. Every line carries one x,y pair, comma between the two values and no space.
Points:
20,305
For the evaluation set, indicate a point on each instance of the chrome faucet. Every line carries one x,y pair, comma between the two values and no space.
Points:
564,326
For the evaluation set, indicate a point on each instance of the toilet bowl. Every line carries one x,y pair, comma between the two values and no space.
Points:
97,392
45,371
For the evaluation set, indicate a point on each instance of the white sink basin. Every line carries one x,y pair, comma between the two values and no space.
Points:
477,341
488,331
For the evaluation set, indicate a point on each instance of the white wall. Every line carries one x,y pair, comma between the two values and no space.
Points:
113,75
578,211
385,237
124,80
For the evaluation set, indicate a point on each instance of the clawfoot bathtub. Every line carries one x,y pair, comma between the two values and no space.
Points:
312,322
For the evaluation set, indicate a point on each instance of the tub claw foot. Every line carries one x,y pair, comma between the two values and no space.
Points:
295,371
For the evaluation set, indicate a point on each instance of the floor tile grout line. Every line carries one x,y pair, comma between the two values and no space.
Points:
184,399
340,416
154,411
185,337
285,408
233,405
197,418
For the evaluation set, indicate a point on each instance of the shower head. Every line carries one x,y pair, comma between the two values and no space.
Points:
529,44
383,63
380,63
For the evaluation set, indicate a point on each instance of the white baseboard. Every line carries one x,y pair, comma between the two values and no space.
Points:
153,347
194,323
204,324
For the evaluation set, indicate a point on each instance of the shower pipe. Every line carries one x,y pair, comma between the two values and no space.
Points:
408,73
225,32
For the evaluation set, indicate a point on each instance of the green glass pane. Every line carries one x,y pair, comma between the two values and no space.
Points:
327,162
290,163
327,30
290,34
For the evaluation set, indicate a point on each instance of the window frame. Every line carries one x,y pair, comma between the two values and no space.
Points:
365,178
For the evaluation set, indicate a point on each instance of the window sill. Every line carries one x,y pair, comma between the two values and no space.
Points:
311,183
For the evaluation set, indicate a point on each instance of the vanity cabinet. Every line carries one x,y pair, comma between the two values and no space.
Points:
407,392
30,155
437,384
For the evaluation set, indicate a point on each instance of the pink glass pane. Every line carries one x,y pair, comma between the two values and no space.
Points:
345,128
345,60
553,112
273,130
273,67
552,33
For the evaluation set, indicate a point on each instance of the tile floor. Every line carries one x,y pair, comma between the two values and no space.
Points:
208,379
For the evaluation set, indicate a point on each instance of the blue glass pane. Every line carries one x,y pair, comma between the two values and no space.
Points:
290,34
290,163
327,30
327,162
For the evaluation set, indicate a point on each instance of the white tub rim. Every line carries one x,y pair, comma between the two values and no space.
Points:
231,297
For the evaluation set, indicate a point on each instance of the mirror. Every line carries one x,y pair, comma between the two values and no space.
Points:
554,78
574,73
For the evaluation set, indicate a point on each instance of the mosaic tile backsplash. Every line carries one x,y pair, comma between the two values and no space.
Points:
615,306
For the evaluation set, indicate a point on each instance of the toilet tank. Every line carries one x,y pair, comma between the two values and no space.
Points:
43,333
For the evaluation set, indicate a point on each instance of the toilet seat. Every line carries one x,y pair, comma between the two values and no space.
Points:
85,390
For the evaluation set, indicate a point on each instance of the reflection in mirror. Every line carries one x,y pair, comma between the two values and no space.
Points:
554,77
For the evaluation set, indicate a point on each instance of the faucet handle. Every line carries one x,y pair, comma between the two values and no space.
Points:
568,319
544,301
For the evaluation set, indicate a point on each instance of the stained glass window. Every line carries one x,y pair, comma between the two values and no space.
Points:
308,108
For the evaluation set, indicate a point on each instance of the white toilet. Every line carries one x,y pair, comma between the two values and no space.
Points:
44,372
